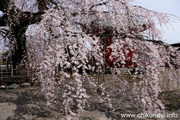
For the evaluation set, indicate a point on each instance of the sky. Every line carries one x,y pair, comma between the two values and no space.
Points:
172,33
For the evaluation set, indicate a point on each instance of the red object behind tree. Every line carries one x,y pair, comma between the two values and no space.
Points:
112,60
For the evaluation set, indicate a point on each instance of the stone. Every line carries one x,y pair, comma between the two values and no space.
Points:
3,87
25,84
13,86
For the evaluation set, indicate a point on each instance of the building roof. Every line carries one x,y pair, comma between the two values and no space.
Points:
176,45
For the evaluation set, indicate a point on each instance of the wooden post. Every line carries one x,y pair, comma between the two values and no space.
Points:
11,67
1,71
104,60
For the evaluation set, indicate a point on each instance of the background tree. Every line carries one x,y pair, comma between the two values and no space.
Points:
17,16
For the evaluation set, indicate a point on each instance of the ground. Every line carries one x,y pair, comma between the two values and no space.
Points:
29,104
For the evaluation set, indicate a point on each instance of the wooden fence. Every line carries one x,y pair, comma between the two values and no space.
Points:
9,75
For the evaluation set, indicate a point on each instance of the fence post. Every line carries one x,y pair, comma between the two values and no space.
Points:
1,74
1,71
11,70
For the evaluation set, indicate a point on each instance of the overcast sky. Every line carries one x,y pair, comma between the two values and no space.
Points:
172,33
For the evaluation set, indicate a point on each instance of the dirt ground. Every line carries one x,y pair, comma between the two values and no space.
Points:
29,104
23,104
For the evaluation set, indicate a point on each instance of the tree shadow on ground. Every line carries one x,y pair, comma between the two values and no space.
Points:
29,103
